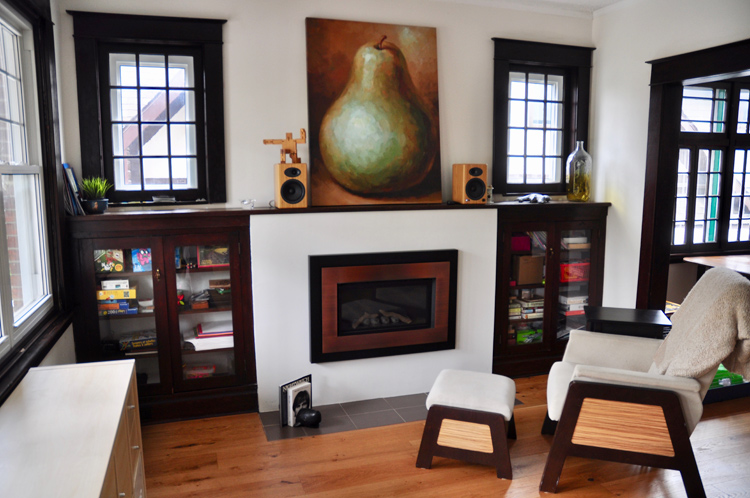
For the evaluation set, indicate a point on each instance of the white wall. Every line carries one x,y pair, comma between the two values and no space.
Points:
626,36
63,352
280,247
265,92
266,96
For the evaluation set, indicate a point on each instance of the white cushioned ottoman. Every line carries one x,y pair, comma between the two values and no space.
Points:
470,418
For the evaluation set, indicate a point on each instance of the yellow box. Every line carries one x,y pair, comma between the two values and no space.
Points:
103,295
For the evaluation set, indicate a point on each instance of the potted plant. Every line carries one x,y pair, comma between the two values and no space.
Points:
94,189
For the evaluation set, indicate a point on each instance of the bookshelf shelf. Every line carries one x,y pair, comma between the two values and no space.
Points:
172,382
533,247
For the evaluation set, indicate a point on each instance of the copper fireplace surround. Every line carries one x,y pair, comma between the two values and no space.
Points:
382,304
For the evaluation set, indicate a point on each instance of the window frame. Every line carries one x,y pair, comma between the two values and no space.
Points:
727,142
668,76
50,323
575,63
96,35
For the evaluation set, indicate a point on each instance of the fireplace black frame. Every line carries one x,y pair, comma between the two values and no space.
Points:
316,280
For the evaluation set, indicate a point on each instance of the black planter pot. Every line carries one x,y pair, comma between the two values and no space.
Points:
95,206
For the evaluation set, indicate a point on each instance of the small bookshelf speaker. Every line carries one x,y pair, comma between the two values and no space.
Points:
470,183
290,181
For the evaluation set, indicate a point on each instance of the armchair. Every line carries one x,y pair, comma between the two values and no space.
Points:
637,400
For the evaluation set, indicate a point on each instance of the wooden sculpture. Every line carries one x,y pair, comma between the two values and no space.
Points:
288,145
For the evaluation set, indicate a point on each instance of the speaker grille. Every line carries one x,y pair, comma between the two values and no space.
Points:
475,189
292,191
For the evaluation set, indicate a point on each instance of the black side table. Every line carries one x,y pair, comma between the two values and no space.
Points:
627,321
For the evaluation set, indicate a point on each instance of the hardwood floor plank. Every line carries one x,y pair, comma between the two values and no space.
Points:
228,457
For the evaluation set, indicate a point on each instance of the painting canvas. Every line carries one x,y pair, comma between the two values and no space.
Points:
373,111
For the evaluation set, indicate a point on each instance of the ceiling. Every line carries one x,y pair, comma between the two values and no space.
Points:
579,7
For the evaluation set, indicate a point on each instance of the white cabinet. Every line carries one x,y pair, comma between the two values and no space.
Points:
73,431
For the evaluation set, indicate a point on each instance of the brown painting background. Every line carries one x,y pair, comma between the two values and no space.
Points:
331,46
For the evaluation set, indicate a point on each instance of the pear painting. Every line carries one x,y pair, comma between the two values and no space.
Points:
372,93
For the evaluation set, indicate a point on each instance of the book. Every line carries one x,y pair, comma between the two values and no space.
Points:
129,311
573,307
138,340
222,327
531,303
210,343
72,185
115,294
529,316
574,312
141,259
115,284
223,283
573,299
286,409
108,260
114,304
198,371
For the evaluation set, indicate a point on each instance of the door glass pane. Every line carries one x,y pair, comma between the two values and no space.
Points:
204,294
575,262
526,305
126,308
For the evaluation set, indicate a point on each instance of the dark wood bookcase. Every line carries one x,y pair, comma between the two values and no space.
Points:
550,262
179,375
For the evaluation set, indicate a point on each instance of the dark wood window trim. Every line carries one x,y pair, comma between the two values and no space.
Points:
35,346
668,76
576,63
93,30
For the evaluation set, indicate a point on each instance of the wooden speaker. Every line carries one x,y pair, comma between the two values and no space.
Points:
290,180
470,183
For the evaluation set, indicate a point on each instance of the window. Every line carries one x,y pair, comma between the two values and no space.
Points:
711,68
712,200
158,133
25,295
541,109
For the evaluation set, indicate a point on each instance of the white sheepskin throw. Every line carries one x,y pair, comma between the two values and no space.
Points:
711,326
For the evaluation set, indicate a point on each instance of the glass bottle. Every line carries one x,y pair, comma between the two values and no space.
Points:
578,174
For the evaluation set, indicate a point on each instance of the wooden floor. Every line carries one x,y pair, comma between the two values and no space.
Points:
230,457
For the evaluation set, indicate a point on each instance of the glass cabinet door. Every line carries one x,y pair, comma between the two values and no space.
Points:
126,308
575,264
527,280
206,279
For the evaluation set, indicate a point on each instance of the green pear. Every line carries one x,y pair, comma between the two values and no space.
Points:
377,137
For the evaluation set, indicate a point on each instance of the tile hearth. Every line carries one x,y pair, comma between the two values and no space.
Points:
341,417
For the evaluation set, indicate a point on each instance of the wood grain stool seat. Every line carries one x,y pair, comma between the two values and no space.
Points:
470,418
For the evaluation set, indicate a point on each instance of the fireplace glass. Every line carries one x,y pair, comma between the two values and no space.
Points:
372,307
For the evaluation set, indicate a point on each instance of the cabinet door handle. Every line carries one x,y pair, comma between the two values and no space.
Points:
158,275
131,407
136,447
121,495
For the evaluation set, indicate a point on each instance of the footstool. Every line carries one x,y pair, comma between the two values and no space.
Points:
469,418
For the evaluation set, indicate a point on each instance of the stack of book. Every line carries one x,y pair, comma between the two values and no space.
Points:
514,308
532,308
572,304
571,243
212,335
116,297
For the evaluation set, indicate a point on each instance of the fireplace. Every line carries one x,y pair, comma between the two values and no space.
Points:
382,304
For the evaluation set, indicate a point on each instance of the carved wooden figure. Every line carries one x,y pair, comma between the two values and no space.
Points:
288,145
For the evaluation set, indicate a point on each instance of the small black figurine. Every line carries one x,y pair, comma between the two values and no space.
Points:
307,417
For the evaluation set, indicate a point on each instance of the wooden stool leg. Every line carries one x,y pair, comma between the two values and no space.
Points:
501,453
512,428
429,439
